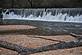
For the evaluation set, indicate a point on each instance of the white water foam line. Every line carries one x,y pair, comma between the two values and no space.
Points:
46,16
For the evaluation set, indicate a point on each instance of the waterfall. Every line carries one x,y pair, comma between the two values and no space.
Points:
53,14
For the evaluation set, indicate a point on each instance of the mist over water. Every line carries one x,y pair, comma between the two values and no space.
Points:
58,15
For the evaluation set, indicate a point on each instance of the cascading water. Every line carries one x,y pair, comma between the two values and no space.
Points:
55,14
52,21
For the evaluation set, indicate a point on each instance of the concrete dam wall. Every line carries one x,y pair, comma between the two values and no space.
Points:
40,3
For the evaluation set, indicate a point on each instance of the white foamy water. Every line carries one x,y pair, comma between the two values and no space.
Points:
60,17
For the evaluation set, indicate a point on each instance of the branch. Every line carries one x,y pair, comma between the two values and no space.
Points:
78,37
64,45
24,51
46,38
74,35
14,47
